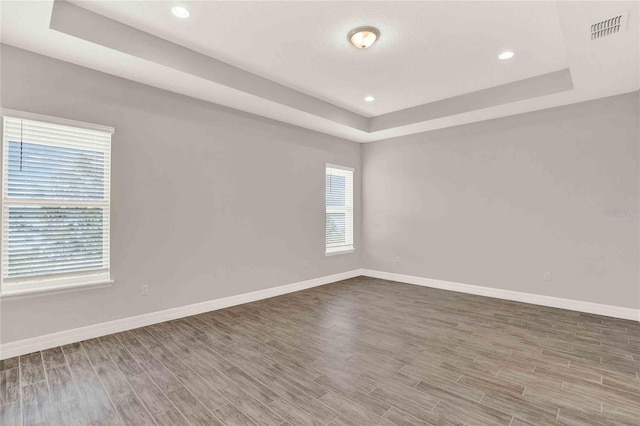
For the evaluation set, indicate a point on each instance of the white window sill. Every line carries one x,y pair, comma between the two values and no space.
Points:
334,252
44,291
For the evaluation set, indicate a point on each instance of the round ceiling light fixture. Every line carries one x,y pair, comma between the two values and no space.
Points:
369,98
180,12
506,55
363,37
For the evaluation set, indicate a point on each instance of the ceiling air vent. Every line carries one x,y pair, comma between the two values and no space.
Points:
607,27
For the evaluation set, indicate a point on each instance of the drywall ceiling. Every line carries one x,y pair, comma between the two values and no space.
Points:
434,66
427,51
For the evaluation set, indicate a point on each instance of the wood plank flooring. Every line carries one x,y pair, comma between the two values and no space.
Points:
359,352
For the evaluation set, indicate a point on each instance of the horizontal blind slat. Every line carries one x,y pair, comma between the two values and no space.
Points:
55,127
339,208
45,152
56,192
26,131
34,255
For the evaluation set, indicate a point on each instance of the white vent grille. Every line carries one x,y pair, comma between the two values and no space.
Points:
607,27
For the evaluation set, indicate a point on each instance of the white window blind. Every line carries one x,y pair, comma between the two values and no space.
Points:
339,209
55,204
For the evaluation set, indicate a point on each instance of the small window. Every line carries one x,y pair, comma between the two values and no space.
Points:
339,209
55,205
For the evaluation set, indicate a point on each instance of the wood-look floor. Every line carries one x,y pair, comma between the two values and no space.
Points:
359,352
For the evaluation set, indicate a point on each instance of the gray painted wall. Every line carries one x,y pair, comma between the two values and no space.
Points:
207,202
501,202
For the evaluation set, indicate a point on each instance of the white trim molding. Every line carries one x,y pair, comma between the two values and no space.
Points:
55,120
535,299
22,347
45,291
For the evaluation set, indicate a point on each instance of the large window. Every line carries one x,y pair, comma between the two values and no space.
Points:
55,205
339,209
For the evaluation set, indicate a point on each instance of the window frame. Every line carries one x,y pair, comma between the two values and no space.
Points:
349,206
53,282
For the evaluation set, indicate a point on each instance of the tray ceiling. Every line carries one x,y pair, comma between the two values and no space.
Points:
434,66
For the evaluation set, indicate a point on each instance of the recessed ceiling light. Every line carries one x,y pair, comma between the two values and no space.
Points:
506,55
180,12
363,37
369,98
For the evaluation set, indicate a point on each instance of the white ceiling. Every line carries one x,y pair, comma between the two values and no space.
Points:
427,52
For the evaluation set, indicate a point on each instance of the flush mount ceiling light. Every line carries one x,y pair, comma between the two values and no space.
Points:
180,12
369,98
506,55
363,37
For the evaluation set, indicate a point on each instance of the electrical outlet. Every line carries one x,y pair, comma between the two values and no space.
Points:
397,259
144,290
306,264
547,276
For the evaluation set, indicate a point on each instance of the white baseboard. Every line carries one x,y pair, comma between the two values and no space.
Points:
535,299
22,347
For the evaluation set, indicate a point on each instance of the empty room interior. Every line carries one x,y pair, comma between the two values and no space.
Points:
320,213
